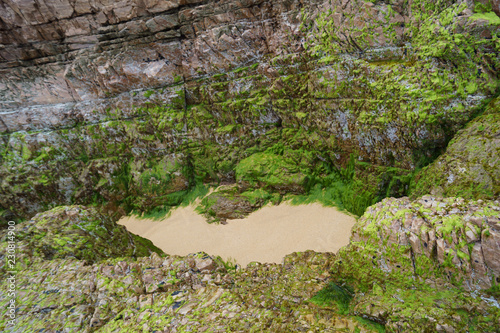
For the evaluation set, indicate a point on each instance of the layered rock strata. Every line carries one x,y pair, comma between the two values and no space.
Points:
419,262
132,105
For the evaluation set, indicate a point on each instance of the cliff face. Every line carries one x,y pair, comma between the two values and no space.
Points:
66,52
131,105
134,103
69,68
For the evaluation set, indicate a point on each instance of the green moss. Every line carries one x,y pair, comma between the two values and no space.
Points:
26,152
261,196
271,169
489,16
482,8
335,296
370,324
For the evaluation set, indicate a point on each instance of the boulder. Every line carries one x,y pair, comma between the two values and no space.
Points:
417,265
73,232
470,167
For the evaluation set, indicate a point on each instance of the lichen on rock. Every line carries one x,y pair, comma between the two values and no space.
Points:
74,232
470,167
427,255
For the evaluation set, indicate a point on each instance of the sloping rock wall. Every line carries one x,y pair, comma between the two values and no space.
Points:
133,104
470,167
72,232
415,264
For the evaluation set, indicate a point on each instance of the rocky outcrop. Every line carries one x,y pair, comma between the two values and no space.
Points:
226,203
470,167
174,293
426,265
418,263
92,49
443,241
234,202
72,232
94,97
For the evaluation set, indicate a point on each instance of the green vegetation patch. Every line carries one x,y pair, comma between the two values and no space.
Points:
334,296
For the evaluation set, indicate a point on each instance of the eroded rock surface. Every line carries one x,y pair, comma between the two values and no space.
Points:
418,263
470,167
95,95
173,293
73,232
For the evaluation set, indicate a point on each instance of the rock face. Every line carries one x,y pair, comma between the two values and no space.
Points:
91,49
470,167
443,241
134,103
411,266
74,232
226,203
174,293
412,258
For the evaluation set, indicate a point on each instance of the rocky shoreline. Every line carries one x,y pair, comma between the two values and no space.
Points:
386,109
393,276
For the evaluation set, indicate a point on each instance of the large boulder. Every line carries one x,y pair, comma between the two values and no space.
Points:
425,264
73,232
470,167
225,204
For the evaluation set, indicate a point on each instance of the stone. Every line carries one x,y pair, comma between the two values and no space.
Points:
79,232
205,265
103,70
446,252
470,163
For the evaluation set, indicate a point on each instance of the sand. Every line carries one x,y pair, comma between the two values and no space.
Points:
266,235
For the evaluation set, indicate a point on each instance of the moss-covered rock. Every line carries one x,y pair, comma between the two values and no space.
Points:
388,83
77,232
172,293
470,167
272,171
225,203
416,265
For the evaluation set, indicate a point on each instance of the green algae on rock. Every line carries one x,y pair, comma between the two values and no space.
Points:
470,167
75,232
192,293
226,202
379,81
416,265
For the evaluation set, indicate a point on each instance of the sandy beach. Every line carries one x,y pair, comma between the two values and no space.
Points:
266,235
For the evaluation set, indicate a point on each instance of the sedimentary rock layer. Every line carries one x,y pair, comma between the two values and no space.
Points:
141,100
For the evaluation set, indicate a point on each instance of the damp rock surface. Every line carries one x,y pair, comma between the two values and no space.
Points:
73,232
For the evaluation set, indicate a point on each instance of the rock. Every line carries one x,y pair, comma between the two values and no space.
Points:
226,203
272,171
449,250
78,232
236,91
205,265
470,167
387,249
232,306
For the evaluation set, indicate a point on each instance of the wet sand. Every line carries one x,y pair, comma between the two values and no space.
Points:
266,235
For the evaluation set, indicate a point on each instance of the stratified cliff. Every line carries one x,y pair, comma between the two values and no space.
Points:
138,105
134,103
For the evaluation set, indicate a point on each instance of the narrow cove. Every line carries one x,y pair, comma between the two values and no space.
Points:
266,235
